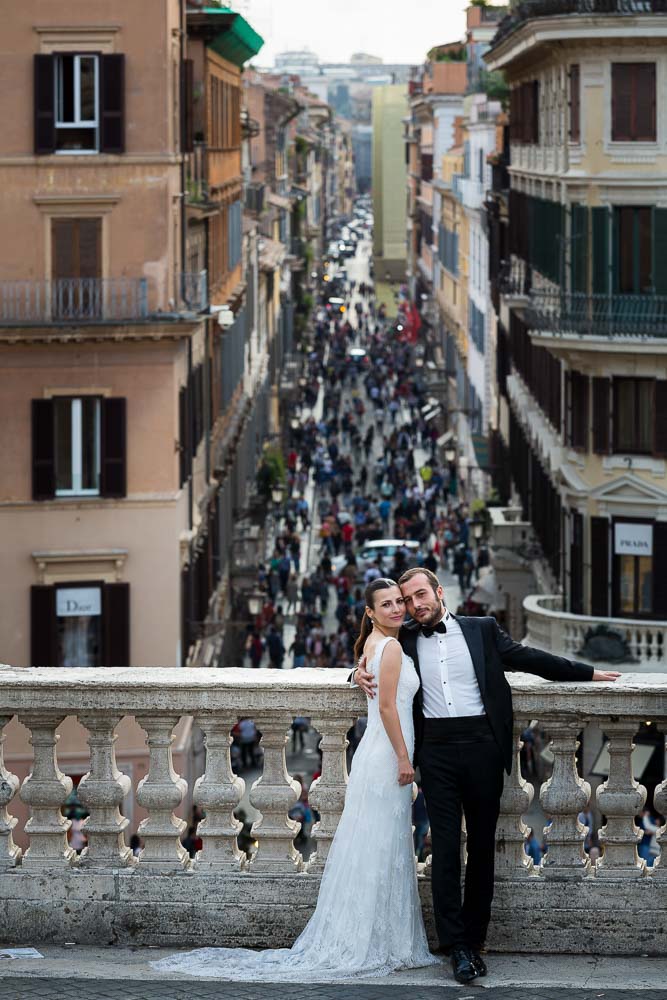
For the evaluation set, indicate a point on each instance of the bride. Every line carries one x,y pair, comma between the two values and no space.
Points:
368,918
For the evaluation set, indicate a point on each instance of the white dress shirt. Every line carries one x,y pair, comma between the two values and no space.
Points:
449,682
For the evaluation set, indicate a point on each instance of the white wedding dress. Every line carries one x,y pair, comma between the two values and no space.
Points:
368,919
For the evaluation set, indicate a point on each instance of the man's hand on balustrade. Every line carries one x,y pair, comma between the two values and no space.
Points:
606,675
366,681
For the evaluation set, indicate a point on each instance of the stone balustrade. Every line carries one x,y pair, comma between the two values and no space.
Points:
549,627
222,896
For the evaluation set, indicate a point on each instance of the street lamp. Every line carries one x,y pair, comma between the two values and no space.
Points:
450,454
277,494
477,529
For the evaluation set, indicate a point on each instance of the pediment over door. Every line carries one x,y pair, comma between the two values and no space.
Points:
630,495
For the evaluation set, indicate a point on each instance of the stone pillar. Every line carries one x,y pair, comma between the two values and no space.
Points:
511,858
218,792
45,790
10,854
327,793
102,791
563,797
620,798
274,794
161,791
659,868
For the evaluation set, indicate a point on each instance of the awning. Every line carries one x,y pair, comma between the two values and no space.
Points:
238,42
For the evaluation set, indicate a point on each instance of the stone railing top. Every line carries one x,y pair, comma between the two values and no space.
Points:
310,692
550,606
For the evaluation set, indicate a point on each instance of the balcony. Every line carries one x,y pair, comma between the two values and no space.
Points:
529,9
73,300
51,894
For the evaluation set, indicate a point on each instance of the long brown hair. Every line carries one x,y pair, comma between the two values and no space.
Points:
382,583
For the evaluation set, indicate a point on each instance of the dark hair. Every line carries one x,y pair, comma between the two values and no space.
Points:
409,573
381,583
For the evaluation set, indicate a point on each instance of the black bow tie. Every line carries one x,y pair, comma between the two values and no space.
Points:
428,632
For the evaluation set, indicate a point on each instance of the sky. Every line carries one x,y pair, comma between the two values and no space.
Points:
399,31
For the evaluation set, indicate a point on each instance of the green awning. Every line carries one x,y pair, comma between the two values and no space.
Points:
238,42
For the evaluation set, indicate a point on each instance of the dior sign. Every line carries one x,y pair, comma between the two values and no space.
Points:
78,602
633,539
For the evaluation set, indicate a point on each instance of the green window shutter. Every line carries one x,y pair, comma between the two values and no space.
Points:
660,250
601,250
578,248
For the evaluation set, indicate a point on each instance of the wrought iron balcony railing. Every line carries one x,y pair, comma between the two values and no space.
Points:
598,315
530,9
67,300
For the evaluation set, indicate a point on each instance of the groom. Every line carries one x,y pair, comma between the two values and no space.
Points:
463,741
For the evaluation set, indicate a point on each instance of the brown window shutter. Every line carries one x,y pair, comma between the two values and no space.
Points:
112,103
535,112
661,419
187,98
90,248
577,565
579,412
43,450
621,101
43,649
64,249
601,404
44,105
644,102
116,609
114,448
183,442
575,126
600,565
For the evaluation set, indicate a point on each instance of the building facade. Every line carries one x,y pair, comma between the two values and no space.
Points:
389,181
578,226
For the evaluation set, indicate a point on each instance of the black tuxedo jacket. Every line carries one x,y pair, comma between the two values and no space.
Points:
493,652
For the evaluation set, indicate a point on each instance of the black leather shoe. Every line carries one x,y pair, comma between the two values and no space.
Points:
478,963
464,970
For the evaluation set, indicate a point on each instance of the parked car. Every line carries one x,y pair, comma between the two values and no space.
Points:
382,551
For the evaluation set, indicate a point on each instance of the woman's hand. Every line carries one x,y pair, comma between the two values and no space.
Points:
406,772
366,682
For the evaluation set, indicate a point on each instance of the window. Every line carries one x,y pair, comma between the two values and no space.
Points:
634,244
77,432
80,624
77,101
634,409
633,102
76,267
635,585
578,401
575,105
78,447
524,113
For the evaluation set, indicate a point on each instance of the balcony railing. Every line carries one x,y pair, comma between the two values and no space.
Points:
194,290
196,174
598,315
549,627
515,277
529,9
264,897
78,300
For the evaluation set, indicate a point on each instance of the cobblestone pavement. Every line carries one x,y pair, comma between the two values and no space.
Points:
46,989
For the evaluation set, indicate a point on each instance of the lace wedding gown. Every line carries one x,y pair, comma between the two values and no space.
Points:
368,918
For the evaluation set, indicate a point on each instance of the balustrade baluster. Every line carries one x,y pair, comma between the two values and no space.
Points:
563,797
161,791
45,790
511,858
102,791
274,794
9,852
327,793
620,798
659,869
218,792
